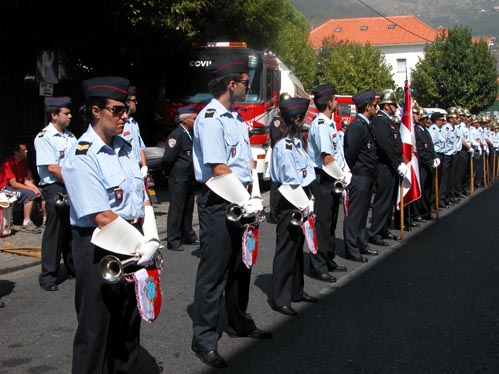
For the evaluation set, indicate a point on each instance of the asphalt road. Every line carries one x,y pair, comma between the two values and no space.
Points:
429,305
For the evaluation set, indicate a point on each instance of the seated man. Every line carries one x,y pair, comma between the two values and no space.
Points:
15,176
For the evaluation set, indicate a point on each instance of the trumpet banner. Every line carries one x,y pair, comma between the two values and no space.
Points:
148,293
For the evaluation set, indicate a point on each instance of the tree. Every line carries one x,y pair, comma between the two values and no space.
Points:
456,71
353,67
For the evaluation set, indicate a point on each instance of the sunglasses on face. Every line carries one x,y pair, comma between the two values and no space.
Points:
118,109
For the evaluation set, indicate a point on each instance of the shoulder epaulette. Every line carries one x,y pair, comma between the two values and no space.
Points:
320,121
289,144
41,133
209,113
82,148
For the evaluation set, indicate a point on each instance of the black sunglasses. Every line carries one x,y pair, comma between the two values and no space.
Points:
244,81
118,109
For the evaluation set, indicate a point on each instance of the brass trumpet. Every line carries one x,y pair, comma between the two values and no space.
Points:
61,199
297,217
339,186
236,212
111,268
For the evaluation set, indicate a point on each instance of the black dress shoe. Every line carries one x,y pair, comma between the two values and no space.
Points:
286,309
333,266
49,287
369,251
191,242
211,358
260,334
377,241
306,298
324,277
390,236
255,334
357,258
419,219
413,224
174,248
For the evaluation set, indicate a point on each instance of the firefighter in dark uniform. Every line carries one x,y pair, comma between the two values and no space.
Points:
221,149
390,166
360,155
177,163
52,145
428,161
108,205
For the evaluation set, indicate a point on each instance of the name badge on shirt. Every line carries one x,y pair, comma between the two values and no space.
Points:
61,153
233,151
118,194
304,172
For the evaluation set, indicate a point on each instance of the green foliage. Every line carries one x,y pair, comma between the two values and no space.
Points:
456,71
353,67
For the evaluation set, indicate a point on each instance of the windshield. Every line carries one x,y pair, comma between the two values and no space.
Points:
187,78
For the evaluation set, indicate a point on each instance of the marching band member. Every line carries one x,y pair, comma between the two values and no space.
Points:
107,199
221,150
290,166
326,154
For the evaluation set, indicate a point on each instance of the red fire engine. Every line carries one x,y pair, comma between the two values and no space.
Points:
188,80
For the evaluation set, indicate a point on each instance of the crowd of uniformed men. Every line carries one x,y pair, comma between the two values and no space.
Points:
358,168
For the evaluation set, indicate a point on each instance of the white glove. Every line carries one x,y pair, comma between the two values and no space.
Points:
146,253
253,206
472,151
486,151
479,151
348,178
402,169
143,171
311,204
436,163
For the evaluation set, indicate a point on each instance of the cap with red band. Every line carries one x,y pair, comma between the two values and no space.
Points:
109,87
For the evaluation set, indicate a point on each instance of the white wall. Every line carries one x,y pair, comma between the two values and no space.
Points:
410,52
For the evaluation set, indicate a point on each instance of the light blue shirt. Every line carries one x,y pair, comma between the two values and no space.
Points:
100,178
221,137
458,130
438,138
131,133
324,138
291,164
51,149
449,135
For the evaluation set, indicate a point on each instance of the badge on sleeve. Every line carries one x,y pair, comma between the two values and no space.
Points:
118,194
172,142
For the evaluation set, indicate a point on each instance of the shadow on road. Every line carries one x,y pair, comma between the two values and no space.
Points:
429,307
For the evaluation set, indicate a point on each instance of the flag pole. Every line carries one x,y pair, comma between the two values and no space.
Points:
437,213
472,177
402,210
484,172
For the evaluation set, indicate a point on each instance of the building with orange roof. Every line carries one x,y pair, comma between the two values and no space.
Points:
400,38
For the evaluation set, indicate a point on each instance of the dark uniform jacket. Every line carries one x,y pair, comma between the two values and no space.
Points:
360,149
177,159
388,142
424,145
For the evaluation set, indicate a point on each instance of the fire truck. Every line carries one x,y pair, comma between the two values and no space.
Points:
187,83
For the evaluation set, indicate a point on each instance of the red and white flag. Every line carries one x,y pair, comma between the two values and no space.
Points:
411,184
